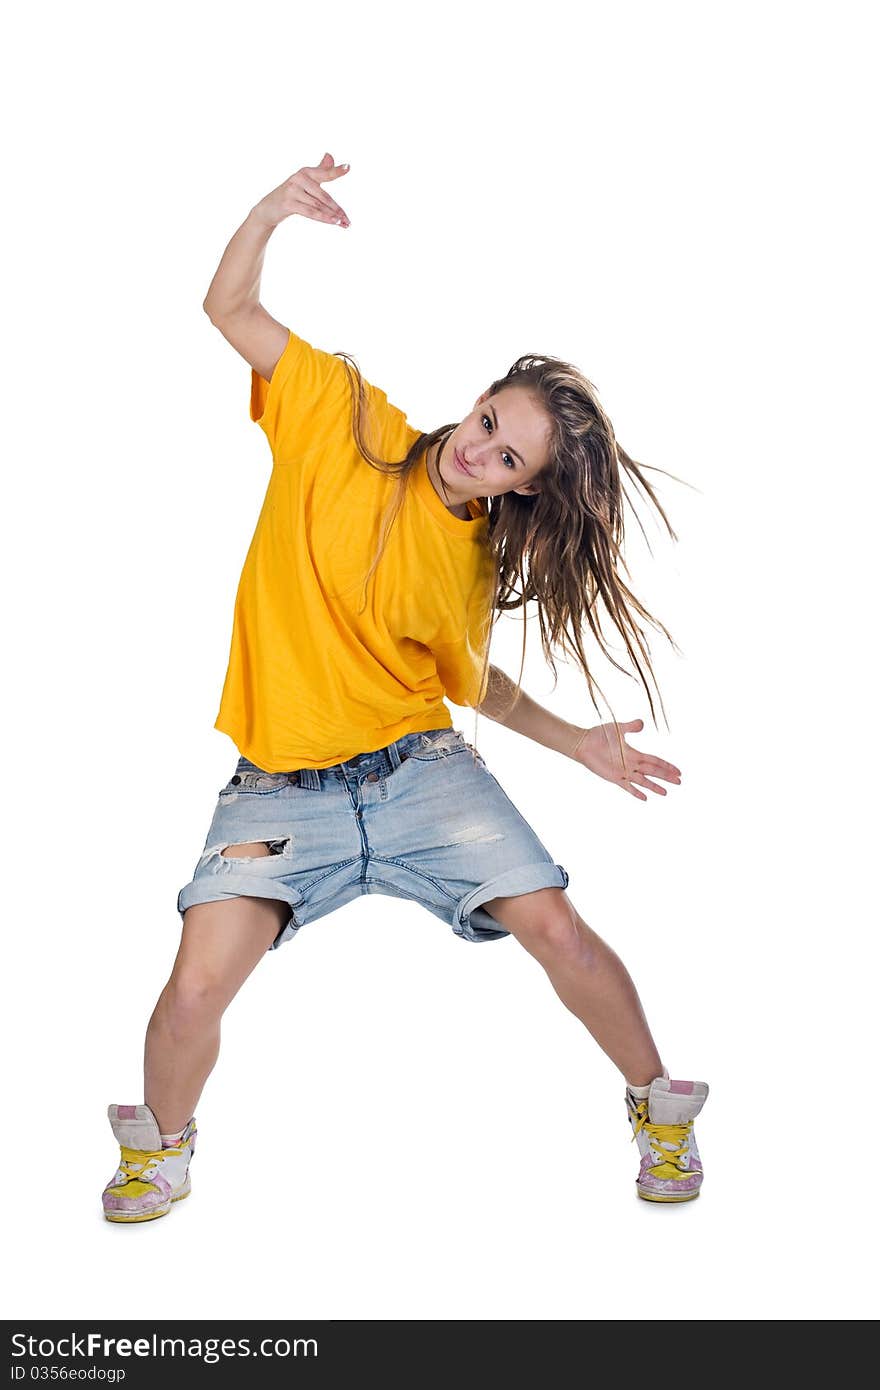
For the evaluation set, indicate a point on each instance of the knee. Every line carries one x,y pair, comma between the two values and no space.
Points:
193,998
557,933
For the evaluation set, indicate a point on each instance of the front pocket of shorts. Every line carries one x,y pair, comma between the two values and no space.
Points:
255,783
437,746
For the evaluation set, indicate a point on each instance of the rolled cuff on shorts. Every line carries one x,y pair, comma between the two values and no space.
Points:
473,924
206,891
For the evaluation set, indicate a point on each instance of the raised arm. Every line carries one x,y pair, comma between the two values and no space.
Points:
233,299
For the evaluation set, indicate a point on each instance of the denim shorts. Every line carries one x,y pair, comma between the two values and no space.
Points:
422,819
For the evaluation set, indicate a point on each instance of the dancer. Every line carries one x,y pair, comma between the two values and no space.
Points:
381,557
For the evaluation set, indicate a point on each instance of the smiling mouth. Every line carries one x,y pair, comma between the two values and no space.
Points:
459,463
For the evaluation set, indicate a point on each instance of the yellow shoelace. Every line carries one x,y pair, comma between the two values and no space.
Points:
133,1162
670,1142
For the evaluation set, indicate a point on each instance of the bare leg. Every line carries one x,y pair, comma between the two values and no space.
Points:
221,944
589,978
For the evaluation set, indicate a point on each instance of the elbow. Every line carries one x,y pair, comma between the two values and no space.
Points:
213,310
223,314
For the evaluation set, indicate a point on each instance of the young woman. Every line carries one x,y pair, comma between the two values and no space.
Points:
380,559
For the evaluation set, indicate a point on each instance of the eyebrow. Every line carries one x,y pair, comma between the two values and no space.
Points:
509,450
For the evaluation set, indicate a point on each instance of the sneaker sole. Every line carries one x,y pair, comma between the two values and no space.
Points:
127,1218
656,1197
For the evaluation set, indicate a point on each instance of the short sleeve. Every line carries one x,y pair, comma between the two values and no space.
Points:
308,398
308,387
460,666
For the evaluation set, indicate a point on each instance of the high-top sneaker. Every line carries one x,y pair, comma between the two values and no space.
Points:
149,1178
663,1127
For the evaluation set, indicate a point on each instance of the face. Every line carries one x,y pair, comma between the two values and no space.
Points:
503,443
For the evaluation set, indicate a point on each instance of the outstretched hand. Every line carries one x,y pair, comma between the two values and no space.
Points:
302,193
599,751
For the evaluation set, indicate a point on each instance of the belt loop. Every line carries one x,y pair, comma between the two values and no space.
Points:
394,755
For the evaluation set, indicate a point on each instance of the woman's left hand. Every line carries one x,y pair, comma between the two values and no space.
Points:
599,751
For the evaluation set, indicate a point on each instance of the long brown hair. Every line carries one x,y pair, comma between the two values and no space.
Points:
561,547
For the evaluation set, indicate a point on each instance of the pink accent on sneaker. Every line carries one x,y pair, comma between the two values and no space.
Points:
126,1112
137,1205
681,1088
673,1187
146,1202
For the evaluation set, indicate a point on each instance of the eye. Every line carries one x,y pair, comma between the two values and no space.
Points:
512,463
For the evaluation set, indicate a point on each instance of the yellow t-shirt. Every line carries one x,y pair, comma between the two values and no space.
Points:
312,680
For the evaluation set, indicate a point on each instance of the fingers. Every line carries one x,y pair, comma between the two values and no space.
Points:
632,791
657,767
334,171
664,770
644,782
326,208
331,170
326,170
667,770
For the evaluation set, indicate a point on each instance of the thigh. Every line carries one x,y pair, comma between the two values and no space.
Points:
222,942
522,913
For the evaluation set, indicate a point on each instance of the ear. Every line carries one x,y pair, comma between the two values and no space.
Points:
527,490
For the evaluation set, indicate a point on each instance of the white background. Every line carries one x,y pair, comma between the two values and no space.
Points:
401,1124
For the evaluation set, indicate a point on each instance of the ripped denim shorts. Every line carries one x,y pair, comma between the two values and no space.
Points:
422,819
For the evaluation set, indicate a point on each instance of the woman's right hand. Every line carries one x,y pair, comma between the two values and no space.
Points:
302,193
